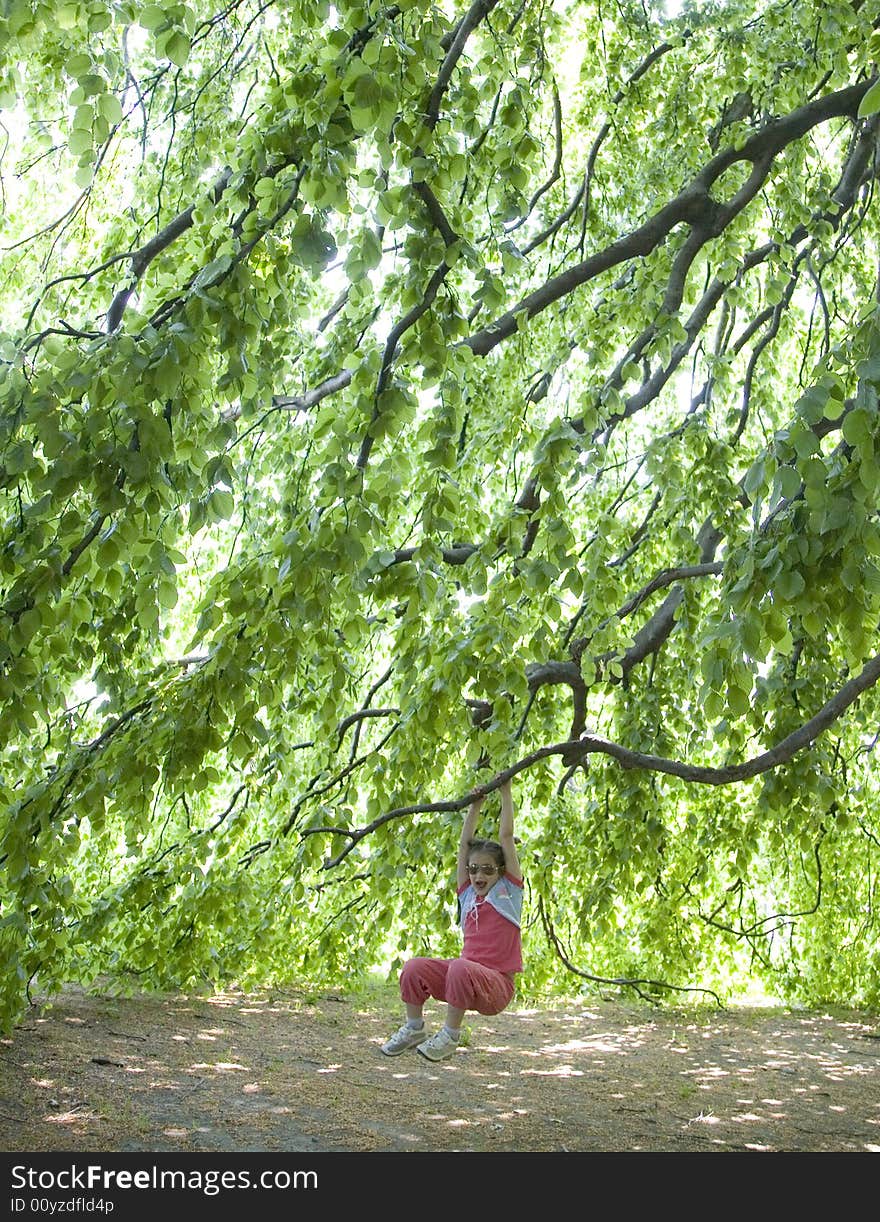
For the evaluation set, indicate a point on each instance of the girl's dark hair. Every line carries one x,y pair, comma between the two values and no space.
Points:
489,846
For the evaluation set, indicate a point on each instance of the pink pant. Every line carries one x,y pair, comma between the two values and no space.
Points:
465,985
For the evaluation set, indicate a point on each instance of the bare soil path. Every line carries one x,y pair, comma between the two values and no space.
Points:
283,1071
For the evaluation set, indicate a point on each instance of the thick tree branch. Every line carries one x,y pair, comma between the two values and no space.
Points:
693,206
590,744
475,14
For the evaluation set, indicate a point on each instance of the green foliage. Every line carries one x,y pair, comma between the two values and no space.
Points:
386,390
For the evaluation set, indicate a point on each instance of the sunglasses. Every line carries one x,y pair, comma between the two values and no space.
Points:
482,869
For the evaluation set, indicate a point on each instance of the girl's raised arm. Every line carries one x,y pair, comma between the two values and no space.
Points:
467,834
505,833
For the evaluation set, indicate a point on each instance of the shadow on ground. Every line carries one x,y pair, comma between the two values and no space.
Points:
293,1071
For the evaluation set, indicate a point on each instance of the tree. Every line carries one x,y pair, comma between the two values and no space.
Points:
398,398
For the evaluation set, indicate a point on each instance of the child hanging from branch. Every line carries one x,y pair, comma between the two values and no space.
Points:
490,894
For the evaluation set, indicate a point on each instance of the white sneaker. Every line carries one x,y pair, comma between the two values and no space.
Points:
438,1047
406,1037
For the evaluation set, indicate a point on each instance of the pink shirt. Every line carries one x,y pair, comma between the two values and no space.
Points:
490,938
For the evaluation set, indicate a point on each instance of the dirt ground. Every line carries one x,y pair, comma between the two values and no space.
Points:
286,1071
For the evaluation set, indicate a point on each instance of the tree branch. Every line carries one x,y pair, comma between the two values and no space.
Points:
692,206
142,258
638,983
590,744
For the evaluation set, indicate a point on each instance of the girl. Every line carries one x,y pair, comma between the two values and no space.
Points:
490,892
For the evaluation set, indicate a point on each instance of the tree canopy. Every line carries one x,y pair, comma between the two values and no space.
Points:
395,399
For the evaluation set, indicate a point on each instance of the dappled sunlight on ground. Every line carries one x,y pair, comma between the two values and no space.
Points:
292,1070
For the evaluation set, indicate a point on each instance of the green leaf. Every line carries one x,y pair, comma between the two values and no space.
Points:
857,426
80,141
870,103
789,482
754,478
83,117
739,701
212,273
805,442
789,585
78,65
177,48
111,108
167,595
152,16
222,504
